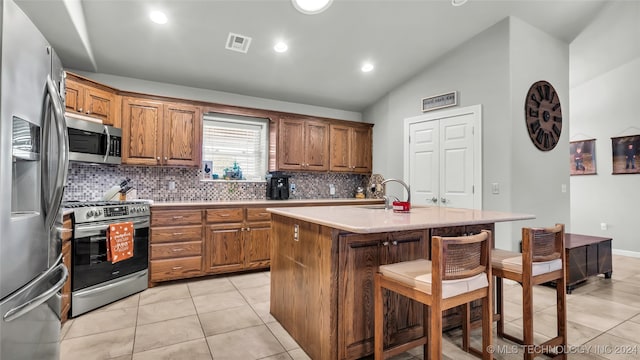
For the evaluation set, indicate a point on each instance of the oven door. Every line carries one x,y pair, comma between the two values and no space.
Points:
90,264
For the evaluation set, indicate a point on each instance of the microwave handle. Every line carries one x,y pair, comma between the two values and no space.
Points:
106,155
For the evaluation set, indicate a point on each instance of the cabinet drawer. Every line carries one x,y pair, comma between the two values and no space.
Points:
170,269
172,250
224,215
176,234
178,217
258,214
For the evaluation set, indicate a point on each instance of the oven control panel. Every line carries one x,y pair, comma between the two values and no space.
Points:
88,212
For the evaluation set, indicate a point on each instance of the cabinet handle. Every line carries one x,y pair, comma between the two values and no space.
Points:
224,215
165,158
176,268
88,112
386,243
177,234
177,249
248,229
158,158
394,242
178,217
79,109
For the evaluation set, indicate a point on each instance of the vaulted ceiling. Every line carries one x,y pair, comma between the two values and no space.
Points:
326,50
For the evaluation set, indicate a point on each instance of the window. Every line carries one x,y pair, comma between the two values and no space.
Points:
227,139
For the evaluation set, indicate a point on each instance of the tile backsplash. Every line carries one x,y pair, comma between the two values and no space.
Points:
90,182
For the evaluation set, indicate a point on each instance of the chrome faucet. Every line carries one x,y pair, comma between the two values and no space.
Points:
388,204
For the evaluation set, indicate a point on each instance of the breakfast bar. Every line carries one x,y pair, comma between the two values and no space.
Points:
323,261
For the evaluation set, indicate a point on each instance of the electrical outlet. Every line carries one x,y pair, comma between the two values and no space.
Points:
292,187
563,188
332,189
603,226
495,188
172,185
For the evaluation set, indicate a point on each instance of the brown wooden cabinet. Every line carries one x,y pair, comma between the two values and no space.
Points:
175,244
351,148
586,256
92,99
303,144
360,256
158,133
66,235
237,239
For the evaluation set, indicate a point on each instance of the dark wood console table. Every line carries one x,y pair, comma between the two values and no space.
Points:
586,256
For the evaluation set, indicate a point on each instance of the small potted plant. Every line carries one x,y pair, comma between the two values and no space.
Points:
234,172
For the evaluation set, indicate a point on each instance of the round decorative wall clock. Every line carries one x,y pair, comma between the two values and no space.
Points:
543,115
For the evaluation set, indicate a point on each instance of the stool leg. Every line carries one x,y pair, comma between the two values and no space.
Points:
466,326
378,320
427,320
500,307
561,308
487,324
435,331
527,319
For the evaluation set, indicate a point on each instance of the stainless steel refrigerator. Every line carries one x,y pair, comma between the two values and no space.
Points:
33,170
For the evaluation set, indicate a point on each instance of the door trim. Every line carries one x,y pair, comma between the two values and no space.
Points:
476,111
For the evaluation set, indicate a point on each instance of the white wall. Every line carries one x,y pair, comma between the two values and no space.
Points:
538,176
494,70
220,97
605,89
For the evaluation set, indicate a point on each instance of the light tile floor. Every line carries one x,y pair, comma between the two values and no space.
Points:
228,318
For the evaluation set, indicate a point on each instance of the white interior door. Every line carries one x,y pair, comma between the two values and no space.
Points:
443,158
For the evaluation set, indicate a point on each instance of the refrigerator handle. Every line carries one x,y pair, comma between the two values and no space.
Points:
29,305
106,154
63,159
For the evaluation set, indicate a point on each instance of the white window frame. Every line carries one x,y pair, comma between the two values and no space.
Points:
238,122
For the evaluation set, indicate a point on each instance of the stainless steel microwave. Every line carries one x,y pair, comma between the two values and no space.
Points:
93,142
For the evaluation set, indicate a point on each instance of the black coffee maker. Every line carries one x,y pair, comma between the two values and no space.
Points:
277,186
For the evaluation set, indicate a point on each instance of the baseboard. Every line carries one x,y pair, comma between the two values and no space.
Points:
628,253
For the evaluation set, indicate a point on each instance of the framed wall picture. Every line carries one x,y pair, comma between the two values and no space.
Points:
207,169
626,157
582,159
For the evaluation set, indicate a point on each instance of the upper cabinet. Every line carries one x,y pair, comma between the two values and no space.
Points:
351,148
92,100
303,144
159,133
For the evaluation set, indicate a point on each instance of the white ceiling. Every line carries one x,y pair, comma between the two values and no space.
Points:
322,66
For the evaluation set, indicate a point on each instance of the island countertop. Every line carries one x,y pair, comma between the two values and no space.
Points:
373,219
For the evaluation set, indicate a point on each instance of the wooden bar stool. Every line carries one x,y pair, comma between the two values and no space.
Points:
458,273
542,260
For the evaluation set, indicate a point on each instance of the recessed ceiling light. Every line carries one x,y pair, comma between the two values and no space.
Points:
280,47
458,2
311,7
367,67
158,17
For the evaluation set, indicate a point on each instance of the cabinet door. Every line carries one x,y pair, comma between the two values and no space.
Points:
257,244
340,142
224,248
99,104
141,131
316,141
360,150
74,96
65,305
360,256
290,144
182,128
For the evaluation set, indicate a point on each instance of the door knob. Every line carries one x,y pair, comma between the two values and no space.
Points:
443,200
433,200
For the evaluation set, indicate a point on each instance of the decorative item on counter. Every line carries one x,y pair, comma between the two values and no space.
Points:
359,192
207,169
401,206
234,172
374,189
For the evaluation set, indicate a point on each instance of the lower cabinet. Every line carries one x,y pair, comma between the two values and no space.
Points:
175,245
360,256
224,248
66,236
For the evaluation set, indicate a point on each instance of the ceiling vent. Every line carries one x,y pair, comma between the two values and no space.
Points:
239,43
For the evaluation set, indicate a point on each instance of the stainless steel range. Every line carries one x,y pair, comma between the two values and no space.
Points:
96,281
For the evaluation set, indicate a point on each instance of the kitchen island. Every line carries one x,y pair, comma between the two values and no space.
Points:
323,261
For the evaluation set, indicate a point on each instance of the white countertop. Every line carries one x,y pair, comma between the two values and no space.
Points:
265,202
366,219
